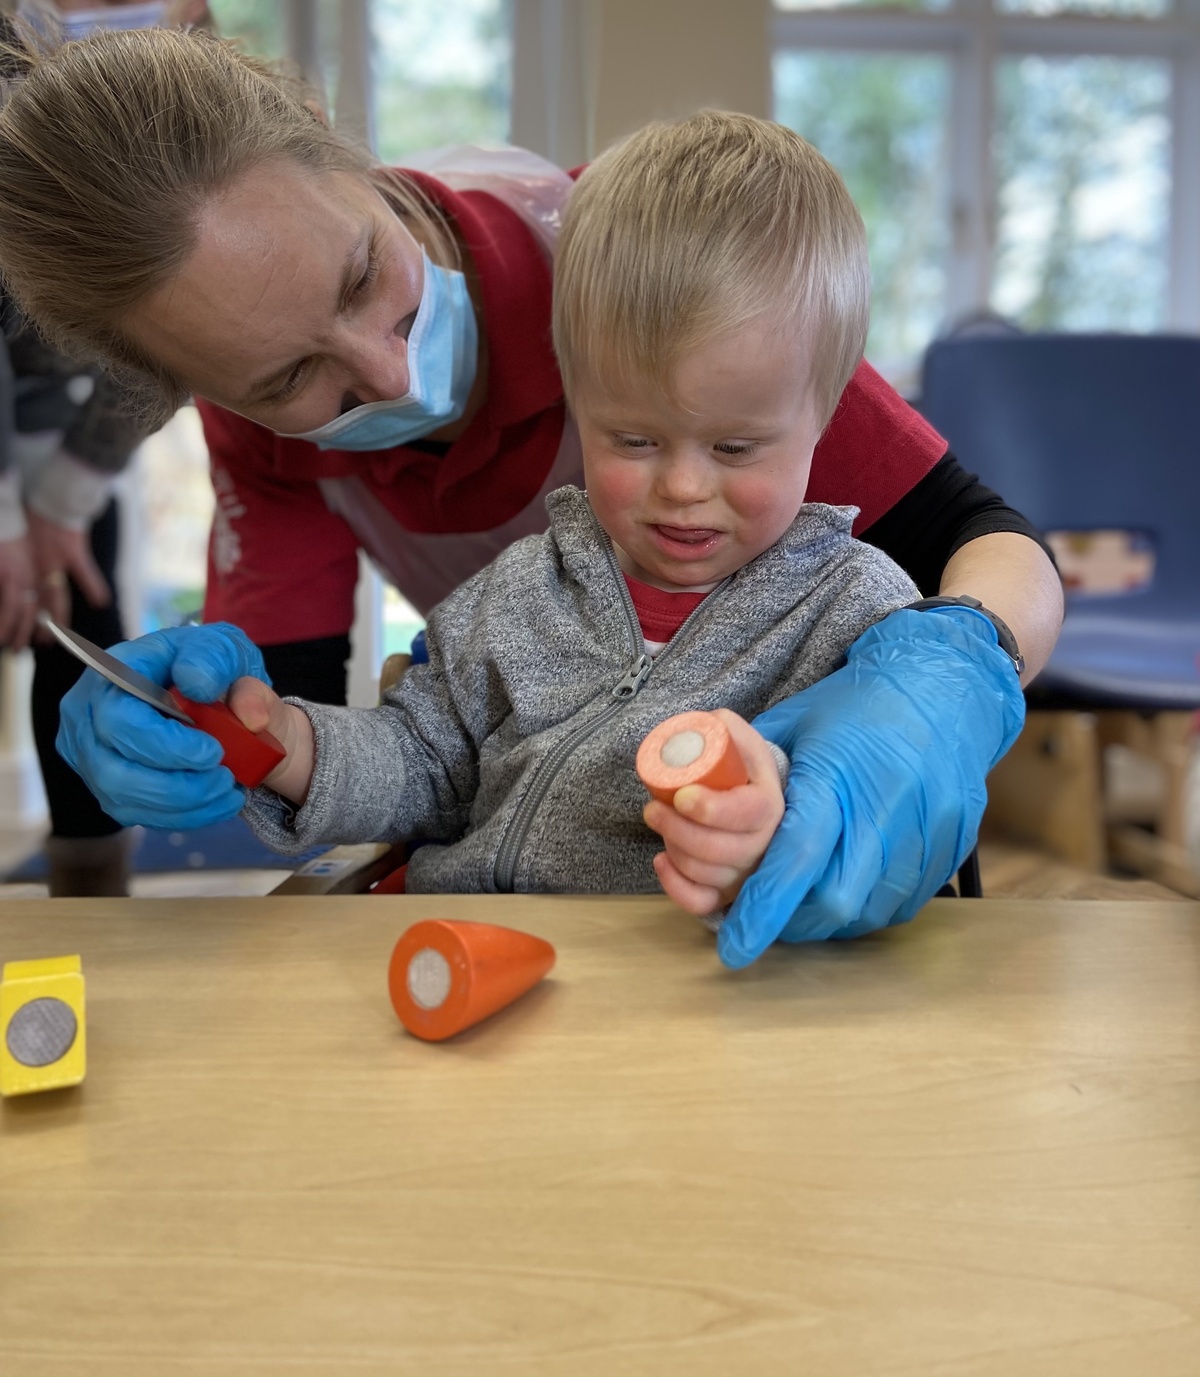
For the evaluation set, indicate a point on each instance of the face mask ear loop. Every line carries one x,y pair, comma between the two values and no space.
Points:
420,325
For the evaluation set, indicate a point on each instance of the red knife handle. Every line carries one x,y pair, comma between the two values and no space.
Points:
251,756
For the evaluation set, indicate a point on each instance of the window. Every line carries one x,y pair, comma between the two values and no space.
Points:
440,68
881,119
258,25
1035,158
441,73
166,511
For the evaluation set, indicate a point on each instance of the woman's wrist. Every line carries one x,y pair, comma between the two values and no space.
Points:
1012,577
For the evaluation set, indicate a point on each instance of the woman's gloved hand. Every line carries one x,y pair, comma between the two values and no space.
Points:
145,768
886,791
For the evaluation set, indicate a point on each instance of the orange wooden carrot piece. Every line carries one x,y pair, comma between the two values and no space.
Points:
689,748
446,975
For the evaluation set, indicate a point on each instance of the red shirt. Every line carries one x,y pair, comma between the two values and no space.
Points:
660,614
283,567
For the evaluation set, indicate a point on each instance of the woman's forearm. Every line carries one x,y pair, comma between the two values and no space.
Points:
1013,577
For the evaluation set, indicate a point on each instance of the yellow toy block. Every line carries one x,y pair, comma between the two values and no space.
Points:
43,1041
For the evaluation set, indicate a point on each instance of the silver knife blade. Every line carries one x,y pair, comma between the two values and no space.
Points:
114,671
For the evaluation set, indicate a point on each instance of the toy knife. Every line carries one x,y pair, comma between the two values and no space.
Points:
250,756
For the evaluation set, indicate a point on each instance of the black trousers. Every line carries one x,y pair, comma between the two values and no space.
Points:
74,811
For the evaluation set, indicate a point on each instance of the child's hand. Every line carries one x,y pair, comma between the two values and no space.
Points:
259,707
715,838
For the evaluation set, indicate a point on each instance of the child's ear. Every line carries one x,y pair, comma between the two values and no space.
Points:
317,110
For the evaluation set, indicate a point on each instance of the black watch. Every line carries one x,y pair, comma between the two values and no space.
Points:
1008,642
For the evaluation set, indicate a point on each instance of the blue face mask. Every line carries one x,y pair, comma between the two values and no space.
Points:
68,25
442,353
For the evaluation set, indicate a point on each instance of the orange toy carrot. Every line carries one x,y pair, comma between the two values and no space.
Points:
446,975
689,748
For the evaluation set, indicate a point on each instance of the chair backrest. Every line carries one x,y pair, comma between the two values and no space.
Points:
1083,432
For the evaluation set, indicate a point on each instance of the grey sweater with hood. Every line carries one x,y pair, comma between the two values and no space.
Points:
510,755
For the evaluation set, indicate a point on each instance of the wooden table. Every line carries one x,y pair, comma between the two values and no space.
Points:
970,1146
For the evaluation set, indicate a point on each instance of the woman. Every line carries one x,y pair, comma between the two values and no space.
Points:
67,437
372,350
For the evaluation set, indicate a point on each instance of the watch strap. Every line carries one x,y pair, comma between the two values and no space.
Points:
1007,641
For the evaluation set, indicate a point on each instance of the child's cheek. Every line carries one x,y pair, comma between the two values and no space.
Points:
758,498
615,489
767,501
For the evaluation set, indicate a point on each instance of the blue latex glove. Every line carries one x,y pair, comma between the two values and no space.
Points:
145,768
886,791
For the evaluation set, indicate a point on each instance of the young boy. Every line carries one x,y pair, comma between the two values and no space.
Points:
711,300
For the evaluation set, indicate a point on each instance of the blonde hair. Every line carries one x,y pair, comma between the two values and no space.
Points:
109,150
688,232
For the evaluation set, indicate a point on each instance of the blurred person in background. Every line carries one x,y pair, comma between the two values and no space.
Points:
65,438
66,433
62,21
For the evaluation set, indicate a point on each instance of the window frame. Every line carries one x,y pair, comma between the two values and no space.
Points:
973,36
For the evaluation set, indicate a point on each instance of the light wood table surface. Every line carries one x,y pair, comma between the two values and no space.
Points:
970,1146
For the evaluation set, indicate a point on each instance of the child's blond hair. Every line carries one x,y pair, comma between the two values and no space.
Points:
689,231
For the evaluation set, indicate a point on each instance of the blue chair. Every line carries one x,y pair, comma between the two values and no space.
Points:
1085,433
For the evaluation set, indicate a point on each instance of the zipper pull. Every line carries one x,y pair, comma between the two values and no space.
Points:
635,677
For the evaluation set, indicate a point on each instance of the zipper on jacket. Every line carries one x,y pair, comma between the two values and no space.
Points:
626,688
547,772
635,677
